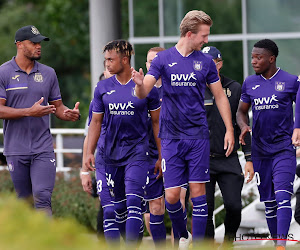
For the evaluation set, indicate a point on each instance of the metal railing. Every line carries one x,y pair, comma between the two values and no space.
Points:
59,146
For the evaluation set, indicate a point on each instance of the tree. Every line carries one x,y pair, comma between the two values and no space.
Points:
66,22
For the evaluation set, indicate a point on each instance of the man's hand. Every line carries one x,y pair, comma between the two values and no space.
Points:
228,142
90,162
296,137
38,110
158,168
137,77
244,131
86,182
72,114
249,171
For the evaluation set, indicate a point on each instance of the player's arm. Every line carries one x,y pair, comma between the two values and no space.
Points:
155,126
64,113
86,180
36,110
242,120
143,84
225,112
93,136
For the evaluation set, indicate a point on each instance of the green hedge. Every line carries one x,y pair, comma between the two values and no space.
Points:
21,227
68,199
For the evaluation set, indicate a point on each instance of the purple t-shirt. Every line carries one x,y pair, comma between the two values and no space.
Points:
27,135
184,81
125,116
272,106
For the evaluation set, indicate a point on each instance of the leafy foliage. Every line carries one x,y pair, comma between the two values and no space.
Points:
67,25
23,228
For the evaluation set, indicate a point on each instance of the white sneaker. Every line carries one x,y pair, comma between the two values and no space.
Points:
184,243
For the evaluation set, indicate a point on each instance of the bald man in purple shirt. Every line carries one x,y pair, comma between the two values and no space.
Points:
29,92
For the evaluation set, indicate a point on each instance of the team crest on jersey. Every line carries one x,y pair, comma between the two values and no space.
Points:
197,65
133,93
279,86
38,77
10,167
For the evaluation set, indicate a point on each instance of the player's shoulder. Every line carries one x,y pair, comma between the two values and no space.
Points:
286,75
6,66
252,78
44,67
105,84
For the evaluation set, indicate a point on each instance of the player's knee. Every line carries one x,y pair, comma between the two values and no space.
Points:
172,197
109,212
120,211
234,206
283,199
133,200
156,207
42,198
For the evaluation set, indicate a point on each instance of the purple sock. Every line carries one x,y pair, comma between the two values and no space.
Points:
134,218
111,230
158,229
271,217
121,216
177,217
284,215
199,218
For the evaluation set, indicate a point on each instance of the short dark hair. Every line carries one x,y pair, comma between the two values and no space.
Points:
268,45
120,46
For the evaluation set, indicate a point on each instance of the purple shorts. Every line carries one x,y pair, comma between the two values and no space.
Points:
123,180
104,188
273,175
154,187
185,161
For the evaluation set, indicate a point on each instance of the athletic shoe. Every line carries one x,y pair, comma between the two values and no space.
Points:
184,243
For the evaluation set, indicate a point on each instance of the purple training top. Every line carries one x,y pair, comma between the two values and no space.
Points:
184,80
272,106
125,116
27,135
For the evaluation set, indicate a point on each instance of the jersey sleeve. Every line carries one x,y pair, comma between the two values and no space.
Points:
98,106
212,75
295,89
155,68
297,110
55,91
2,87
153,100
244,96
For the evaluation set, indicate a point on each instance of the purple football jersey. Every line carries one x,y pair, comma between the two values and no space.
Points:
272,106
27,135
126,121
184,80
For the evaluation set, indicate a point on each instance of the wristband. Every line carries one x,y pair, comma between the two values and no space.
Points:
84,173
248,158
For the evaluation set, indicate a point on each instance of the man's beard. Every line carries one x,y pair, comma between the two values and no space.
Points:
35,58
